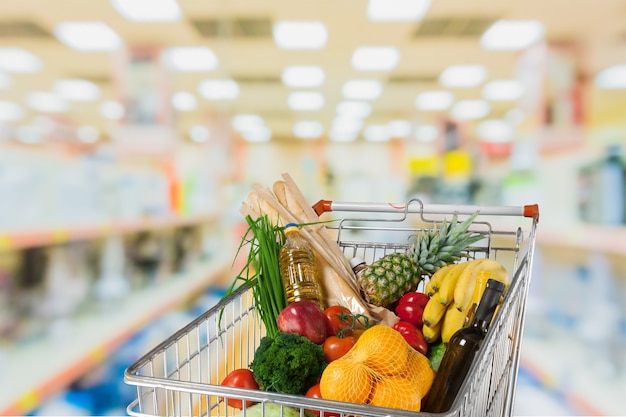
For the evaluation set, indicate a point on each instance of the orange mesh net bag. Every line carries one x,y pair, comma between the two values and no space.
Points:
381,370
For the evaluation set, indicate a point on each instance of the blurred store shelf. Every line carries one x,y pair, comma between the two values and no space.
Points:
36,369
602,239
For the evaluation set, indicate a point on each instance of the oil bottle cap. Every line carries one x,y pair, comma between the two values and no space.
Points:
291,226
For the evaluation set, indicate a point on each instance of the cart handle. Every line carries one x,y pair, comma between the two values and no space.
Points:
324,206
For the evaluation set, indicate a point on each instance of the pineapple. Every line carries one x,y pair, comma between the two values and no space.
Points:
387,279
393,275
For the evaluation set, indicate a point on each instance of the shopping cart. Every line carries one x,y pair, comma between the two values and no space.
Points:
182,375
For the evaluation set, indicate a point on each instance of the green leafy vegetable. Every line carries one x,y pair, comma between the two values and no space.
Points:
287,363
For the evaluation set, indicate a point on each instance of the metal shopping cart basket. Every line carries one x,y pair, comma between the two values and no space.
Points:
181,376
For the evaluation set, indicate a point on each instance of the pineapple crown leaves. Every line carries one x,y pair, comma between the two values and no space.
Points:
444,245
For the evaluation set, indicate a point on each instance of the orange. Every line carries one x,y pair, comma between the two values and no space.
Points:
345,380
396,392
419,372
382,349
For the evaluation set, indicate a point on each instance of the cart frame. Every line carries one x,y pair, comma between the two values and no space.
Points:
181,375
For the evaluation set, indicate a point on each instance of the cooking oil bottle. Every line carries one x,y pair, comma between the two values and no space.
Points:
298,268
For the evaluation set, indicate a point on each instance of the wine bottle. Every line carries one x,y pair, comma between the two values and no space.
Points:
461,350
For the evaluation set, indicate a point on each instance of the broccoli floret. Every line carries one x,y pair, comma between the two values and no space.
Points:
287,363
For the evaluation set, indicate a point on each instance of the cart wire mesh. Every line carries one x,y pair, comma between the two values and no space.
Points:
181,376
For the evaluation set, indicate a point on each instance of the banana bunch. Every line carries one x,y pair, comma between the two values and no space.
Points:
453,290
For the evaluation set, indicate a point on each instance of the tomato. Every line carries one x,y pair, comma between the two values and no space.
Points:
413,336
335,347
334,320
412,313
314,392
414,297
240,378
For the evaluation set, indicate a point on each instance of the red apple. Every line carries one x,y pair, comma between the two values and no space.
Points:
304,318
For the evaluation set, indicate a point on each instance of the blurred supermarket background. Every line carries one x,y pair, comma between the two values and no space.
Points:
132,130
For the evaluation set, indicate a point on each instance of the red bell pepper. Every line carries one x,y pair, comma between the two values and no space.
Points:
411,308
413,336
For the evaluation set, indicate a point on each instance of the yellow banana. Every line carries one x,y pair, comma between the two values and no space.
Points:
432,333
433,312
446,290
438,276
452,321
465,281
464,292
428,289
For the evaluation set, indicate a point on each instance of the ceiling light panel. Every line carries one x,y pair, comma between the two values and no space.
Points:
10,111
303,76
375,58
470,109
512,34
5,81
362,89
435,100
497,131
354,108
18,60
308,129
396,10
463,76
88,36
142,11
377,133
305,100
184,101
46,102
342,136
77,90
244,122
87,134
426,133
612,78
400,128
260,134
292,34
199,134
190,59
346,124
215,90
503,90
112,110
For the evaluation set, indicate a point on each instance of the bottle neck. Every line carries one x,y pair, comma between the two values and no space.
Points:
487,306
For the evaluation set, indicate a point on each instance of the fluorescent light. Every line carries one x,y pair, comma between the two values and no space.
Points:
5,81
305,100
512,34
112,110
190,59
244,122
308,129
362,89
148,10
377,133
88,36
199,134
77,90
303,76
375,58
463,76
219,89
400,128
46,102
426,133
18,60
260,134
470,109
434,100
342,136
10,111
184,101
503,90
397,10
612,78
495,131
88,134
292,34
354,108
346,124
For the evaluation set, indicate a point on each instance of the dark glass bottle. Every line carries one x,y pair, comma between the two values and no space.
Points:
461,350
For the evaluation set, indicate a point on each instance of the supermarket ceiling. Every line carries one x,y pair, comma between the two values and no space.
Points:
239,42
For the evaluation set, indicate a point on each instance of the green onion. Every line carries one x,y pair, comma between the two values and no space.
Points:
261,271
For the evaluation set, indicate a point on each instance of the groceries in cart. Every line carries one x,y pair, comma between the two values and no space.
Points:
393,312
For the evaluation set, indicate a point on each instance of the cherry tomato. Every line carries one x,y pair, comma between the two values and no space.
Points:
335,347
314,392
412,313
240,378
334,322
413,336
414,297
